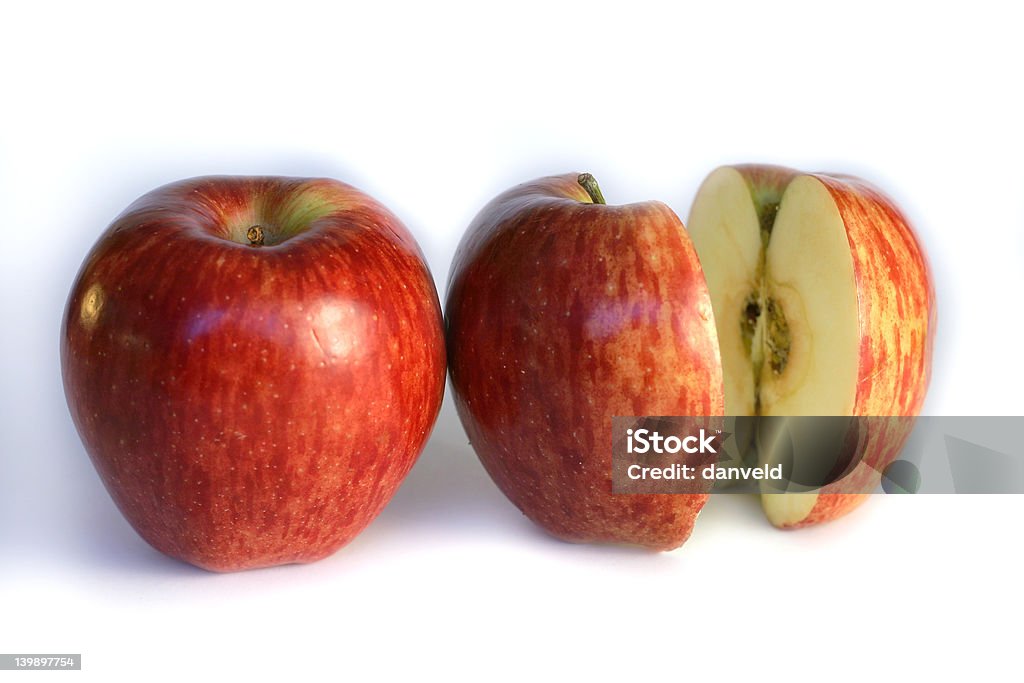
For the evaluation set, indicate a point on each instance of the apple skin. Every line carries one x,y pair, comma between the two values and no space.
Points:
897,320
249,406
561,314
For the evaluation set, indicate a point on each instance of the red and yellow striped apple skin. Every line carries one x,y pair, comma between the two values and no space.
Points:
896,300
897,319
245,406
561,315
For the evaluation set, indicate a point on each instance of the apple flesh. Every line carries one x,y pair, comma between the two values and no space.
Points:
824,305
253,365
562,313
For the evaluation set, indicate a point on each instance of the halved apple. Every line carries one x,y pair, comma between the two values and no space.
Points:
824,305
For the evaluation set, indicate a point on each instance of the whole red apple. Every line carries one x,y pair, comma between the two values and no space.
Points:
253,364
562,313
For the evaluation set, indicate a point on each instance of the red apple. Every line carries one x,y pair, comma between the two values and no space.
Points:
253,364
824,305
562,313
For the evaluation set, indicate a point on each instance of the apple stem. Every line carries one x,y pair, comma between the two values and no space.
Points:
255,236
589,183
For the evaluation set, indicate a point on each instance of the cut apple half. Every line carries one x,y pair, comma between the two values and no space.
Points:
823,305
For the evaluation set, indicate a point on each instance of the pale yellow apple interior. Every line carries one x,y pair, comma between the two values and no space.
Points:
807,278
725,231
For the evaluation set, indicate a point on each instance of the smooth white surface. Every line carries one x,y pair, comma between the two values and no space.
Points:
434,108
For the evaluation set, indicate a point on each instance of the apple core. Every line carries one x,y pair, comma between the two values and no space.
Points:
782,286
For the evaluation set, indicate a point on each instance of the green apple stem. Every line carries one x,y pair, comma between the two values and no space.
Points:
589,183
255,236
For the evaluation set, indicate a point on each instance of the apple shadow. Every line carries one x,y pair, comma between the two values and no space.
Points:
730,510
449,494
98,537
74,522
448,491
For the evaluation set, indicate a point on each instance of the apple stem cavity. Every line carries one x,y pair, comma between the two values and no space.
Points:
767,219
589,183
255,236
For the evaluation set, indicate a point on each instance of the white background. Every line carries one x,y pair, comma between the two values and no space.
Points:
434,108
